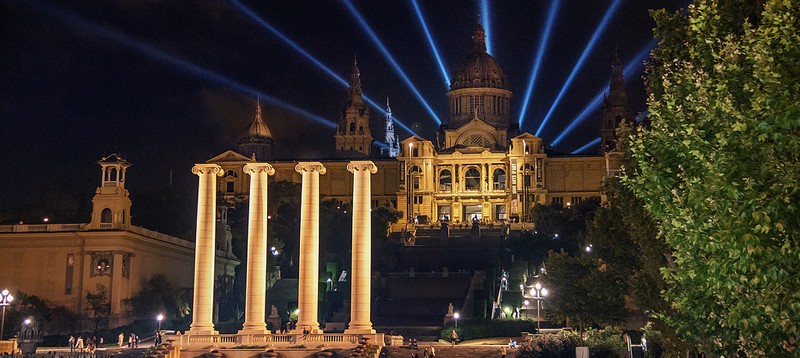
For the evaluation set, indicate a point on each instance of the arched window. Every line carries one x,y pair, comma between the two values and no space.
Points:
106,216
415,152
472,179
352,127
360,128
445,181
415,172
499,179
231,174
123,216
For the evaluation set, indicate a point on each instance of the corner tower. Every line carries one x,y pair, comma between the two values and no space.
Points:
353,135
479,90
257,141
615,106
111,205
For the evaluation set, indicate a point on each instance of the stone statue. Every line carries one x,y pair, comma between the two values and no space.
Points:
274,312
450,309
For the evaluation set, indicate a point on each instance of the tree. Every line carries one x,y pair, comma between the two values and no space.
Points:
156,297
719,172
100,307
581,293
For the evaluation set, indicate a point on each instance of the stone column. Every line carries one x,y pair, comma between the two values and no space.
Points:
256,291
360,295
308,285
202,313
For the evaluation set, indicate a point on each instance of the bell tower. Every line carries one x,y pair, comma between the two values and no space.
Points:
615,106
111,205
353,135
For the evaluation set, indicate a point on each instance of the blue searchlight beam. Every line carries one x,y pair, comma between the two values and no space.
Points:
374,37
424,25
543,41
292,44
182,64
631,68
588,49
487,25
586,146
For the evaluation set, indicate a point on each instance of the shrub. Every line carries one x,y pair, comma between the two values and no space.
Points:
560,345
605,343
480,328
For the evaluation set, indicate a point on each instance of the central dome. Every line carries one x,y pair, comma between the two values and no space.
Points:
480,70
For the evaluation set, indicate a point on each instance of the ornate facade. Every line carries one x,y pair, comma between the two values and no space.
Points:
479,168
483,168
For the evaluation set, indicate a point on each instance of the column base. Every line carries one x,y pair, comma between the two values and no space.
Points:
257,329
202,329
365,329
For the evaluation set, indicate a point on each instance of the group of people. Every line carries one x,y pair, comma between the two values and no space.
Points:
82,345
133,340
428,352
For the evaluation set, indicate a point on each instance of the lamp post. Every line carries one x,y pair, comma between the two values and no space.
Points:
5,300
159,318
455,318
538,293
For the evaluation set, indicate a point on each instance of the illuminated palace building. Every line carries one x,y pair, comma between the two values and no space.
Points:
481,167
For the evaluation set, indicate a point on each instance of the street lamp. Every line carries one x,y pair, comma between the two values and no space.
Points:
455,318
5,300
538,293
159,318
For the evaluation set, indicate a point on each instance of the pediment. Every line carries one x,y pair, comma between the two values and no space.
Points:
476,124
230,156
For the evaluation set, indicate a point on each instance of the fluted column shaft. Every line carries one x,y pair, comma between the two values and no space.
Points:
308,285
203,309
360,290
256,291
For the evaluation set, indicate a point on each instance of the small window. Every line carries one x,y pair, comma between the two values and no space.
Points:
231,174
106,216
415,173
499,179
558,200
415,152
352,127
445,181
417,199
229,187
528,171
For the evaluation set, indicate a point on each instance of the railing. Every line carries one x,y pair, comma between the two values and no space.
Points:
161,237
40,227
277,340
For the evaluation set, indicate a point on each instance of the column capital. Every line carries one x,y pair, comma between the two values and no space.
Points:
302,167
362,165
214,169
254,168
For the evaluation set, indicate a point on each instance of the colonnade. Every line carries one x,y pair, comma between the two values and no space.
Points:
308,293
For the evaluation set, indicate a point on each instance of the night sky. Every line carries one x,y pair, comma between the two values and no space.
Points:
83,79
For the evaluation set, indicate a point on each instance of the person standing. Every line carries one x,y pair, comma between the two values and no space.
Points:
503,352
71,343
130,340
432,352
453,337
79,344
121,340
